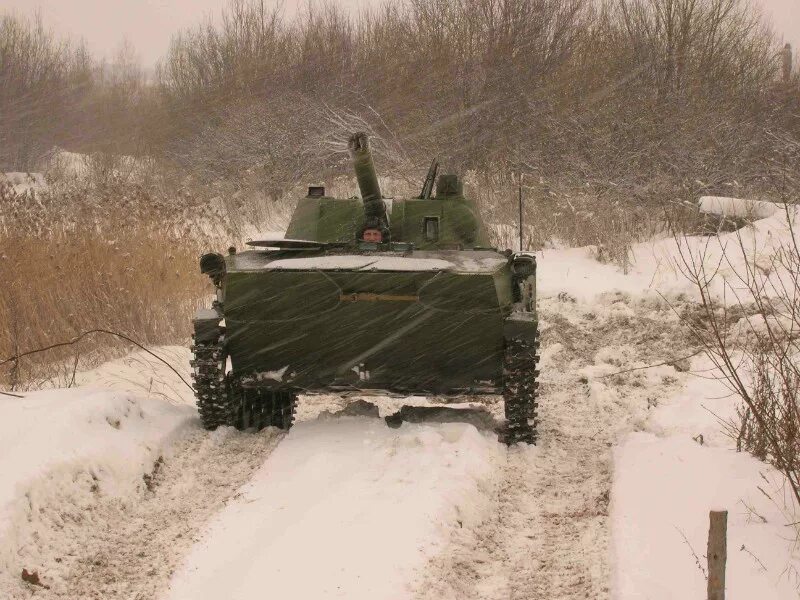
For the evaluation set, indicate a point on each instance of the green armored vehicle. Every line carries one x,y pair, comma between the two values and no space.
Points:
373,295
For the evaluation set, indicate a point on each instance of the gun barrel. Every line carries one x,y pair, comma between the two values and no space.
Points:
374,207
427,186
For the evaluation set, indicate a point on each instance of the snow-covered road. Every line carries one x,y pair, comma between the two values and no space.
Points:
344,508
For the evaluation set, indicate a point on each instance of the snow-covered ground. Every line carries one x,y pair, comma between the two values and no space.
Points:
63,452
112,489
659,267
143,375
667,478
737,207
669,475
59,451
345,508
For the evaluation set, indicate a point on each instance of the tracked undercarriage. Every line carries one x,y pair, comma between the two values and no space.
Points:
223,400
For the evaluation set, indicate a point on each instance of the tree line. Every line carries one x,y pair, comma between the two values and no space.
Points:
621,92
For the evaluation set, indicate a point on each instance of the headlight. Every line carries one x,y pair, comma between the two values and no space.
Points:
213,265
523,265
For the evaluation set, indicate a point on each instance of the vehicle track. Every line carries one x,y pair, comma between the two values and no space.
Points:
128,548
548,535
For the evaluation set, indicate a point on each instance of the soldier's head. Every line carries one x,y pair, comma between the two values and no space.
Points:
372,234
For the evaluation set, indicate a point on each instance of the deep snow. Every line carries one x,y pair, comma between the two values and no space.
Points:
659,267
61,448
666,480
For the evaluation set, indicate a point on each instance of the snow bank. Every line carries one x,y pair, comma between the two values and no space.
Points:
576,273
738,207
663,490
658,266
62,447
344,508
665,483
22,183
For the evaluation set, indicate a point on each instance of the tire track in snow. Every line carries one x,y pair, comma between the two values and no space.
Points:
128,548
548,535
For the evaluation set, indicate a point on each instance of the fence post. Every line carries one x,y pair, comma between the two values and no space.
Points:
717,553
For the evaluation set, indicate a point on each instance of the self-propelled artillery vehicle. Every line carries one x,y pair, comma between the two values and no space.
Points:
368,294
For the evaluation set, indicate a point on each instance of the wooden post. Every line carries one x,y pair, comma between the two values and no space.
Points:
717,553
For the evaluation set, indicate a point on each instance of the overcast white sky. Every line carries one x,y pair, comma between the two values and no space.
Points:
148,24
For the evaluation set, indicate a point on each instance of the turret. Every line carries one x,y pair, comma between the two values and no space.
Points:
448,220
376,221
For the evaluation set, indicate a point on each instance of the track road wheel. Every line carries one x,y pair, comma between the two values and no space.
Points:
520,390
267,408
287,405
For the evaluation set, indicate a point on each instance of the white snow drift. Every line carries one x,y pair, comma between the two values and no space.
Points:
660,266
61,447
738,207
665,482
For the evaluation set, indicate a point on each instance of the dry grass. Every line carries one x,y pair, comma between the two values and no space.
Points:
609,218
138,284
131,274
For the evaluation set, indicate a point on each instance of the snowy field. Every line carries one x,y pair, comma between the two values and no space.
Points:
112,490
